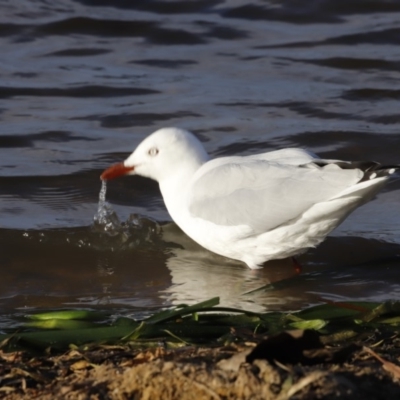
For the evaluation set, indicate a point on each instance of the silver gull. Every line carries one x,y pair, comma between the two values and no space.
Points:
253,208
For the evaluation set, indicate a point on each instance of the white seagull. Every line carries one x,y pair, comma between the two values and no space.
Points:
252,208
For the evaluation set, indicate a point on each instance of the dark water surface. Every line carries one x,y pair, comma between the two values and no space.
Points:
83,81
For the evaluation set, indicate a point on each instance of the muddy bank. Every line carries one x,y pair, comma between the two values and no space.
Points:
121,372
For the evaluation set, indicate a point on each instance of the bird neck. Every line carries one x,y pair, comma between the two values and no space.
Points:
174,190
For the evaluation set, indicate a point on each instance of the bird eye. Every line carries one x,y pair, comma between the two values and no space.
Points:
153,151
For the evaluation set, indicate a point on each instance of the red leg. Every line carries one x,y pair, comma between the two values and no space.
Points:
297,266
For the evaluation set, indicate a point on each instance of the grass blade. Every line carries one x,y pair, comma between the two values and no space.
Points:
179,312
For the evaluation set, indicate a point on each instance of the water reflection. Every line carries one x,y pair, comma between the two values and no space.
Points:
144,267
198,274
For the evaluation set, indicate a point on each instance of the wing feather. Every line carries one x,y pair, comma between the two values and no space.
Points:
263,194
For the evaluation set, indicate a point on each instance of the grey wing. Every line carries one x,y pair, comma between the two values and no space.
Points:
263,194
290,156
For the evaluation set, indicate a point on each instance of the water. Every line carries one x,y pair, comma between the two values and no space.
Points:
84,81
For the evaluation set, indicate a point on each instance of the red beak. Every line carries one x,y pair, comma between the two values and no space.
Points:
115,171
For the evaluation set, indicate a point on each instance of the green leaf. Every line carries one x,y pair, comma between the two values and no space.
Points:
176,337
179,312
315,324
204,322
60,324
391,321
63,338
136,333
68,315
335,310
389,307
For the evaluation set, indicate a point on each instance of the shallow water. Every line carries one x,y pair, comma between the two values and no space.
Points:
82,82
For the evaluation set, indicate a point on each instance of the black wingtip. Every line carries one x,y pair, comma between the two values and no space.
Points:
371,169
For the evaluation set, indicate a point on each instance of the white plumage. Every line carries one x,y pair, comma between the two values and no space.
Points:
253,208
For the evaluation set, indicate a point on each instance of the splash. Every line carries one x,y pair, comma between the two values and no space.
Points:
102,194
116,235
106,219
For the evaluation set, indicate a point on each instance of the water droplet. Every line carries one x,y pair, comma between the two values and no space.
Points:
106,218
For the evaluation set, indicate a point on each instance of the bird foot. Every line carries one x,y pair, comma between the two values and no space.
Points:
297,266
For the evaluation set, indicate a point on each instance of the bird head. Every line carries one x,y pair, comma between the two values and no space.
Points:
161,155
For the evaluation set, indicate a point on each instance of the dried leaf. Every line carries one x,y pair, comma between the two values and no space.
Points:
307,380
10,357
233,363
387,365
81,364
7,389
21,372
